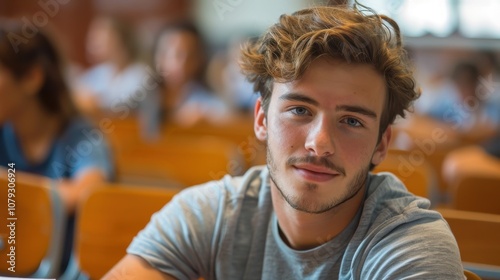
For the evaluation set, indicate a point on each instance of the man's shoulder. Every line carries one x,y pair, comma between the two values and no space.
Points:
403,229
390,209
385,188
388,200
250,183
233,188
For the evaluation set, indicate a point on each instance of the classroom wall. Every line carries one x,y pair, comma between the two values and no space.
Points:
69,19
222,20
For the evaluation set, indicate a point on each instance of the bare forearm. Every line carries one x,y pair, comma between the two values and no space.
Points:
133,267
73,190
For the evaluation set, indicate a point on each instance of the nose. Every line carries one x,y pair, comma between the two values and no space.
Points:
319,141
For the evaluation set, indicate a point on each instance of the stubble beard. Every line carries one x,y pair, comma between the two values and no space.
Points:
354,186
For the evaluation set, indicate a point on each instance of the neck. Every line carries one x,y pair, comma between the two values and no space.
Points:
35,129
302,231
121,62
173,96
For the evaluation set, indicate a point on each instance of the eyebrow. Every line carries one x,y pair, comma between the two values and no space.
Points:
293,96
357,109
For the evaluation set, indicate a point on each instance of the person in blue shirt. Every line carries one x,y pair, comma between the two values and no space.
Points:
41,131
480,158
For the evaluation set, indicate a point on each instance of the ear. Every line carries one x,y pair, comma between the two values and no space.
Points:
382,147
33,80
260,121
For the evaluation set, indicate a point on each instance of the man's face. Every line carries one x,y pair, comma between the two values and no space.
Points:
322,133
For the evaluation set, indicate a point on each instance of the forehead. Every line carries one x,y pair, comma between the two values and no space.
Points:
178,37
333,82
101,25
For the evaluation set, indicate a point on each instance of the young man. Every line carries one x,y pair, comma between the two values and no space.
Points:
331,80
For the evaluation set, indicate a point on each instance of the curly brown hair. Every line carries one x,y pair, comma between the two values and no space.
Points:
287,49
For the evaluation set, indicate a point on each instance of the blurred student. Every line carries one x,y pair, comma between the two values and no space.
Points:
462,106
117,75
41,131
490,87
225,75
331,82
483,157
182,96
469,102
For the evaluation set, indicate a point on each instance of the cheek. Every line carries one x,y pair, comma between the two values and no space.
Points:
356,150
283,140
284,135
10,104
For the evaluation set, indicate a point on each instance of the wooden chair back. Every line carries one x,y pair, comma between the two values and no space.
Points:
477,236
477,193
469,275
412,169
107,222
185,160
126,133
31,238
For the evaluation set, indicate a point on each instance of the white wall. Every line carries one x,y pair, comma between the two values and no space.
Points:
221,20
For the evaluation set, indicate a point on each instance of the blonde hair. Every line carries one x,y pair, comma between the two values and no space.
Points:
287,49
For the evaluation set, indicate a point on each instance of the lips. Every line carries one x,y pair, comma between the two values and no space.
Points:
315,173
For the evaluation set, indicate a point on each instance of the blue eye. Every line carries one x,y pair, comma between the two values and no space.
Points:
352,122
300,111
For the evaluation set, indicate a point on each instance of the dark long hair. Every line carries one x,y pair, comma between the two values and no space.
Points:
22,49
189,28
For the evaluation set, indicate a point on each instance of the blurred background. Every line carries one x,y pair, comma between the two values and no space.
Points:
160,81
455,24
219,20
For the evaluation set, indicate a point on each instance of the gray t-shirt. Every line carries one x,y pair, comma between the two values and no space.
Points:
228,230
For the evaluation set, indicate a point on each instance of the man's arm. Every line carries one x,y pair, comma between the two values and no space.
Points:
134,267
413,250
